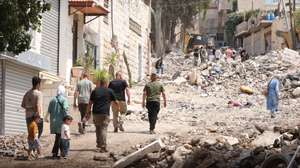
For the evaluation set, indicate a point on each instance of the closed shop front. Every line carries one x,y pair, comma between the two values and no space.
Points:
16,78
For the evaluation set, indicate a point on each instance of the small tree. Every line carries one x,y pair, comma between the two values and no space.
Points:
18,18
101,75
111,62
297,19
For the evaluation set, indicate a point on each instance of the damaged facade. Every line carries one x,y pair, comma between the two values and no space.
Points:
270,30
70,30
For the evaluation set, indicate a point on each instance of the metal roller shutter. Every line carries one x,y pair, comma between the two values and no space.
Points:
50,30
18,81
1,99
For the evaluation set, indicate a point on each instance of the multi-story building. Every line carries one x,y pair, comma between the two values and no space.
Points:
212,24
263,33
246,5
129,23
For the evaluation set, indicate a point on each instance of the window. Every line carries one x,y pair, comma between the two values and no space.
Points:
91,50
106,5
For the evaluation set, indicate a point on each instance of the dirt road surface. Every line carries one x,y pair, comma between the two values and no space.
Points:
189,114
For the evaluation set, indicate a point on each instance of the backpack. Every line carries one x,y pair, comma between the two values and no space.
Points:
266,89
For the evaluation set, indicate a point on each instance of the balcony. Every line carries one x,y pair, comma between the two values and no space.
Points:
241,29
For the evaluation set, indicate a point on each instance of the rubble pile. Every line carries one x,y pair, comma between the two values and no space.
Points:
241,144
13,146
228,76
180,154
223,152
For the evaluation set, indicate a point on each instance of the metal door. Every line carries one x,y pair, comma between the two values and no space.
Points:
17,83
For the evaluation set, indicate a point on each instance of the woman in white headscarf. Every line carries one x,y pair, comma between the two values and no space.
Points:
58,109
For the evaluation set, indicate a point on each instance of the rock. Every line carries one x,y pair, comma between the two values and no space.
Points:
265,139
210,141
163,163
260,128
223,124
170,149
153,157
179,156
176,75
288,136
212,129
291,56
295,84
195,141
179,80
188,146
101,157
296,92
245,135
231,140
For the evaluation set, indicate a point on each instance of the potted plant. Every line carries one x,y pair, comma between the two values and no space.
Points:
100,75
83,63
78,68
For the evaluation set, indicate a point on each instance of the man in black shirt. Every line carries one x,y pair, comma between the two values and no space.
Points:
119,86
101,99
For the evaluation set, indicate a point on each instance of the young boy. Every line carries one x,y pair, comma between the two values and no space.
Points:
66,135
33,140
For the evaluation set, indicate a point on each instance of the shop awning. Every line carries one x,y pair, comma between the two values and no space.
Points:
88,7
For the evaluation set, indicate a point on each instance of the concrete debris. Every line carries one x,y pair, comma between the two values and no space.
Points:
290,56
153,147
250,76
265,139
224,152
13,146
296,92
238,85
231,140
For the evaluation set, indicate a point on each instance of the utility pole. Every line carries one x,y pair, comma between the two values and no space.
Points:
293,34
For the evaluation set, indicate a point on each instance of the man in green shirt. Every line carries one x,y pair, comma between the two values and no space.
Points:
152,92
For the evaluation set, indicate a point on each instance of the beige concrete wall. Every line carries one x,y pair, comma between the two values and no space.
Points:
66,42
128,41
255,43
277,42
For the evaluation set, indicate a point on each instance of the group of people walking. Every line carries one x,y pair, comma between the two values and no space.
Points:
95,102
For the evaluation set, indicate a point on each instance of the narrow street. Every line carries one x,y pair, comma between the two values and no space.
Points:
219,79
190,114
